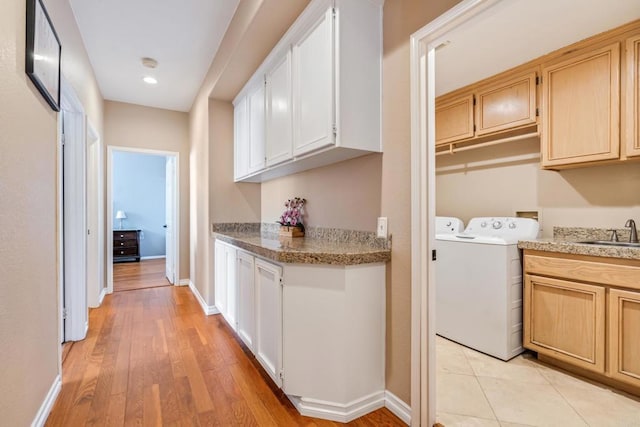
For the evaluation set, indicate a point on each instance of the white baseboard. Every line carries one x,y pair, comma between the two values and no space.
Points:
47,404
397,406
339,412
142,258
103,293
208,309
182,282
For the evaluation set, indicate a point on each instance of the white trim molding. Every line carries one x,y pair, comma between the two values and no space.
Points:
423,44
47,404
339,412
103,293
143,258
208,309
182,282
397,407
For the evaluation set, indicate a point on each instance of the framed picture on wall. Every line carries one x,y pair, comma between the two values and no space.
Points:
43,53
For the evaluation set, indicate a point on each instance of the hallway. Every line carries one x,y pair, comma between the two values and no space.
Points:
151,357
149,273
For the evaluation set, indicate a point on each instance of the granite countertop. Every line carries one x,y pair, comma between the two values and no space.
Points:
318,246
567,240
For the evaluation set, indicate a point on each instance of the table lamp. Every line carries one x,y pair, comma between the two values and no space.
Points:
121,215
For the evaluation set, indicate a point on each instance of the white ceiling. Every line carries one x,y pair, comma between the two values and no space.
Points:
182,35
515,31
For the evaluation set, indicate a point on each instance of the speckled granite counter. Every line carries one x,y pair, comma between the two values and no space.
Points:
319,246
566,240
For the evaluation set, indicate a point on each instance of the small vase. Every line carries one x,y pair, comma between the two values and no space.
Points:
291,231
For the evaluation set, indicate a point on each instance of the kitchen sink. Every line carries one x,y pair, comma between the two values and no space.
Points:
610,243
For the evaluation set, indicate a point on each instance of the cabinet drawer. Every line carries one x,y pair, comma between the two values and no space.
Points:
129,243
131,251
584,270
124,235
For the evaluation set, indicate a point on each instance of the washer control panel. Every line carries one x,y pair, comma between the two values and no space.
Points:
521,228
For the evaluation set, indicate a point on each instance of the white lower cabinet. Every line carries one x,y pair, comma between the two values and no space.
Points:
225,282
317,330
268,312
246,299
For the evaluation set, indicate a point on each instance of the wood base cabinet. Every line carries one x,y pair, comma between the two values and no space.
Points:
566,320
583,313
624,336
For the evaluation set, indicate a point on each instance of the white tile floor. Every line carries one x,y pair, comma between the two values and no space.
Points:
474,389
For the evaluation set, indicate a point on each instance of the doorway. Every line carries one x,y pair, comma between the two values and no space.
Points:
143,223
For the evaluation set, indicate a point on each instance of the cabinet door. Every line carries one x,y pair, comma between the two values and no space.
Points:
256,127
581,108
313,91
231,287
565,320
454,120
268,346
279,113
220,291
246,297
624,336
241,138
632,93
507,105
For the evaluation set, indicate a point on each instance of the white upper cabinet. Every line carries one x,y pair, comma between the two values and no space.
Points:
279,112
314,108
323,91
241,138
256,128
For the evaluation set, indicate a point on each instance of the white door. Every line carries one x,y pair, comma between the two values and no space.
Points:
231,288
246,297
279,145
241,138
268,347
170,202
313,92
220,287
75,226
256,128
94,254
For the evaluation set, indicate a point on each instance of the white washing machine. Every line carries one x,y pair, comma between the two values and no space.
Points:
479,285
448,225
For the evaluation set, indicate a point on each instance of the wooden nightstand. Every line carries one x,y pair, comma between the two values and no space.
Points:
126,245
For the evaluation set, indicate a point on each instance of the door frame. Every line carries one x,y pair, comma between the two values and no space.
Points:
96,169
109,207
72,293
423,45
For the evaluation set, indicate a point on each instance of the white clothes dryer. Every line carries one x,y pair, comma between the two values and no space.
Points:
449,225
479,285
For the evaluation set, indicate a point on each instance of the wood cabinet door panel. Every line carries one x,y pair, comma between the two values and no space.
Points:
507,105
581,108
279,112
624,336
241,138
632,94
220,287
256,128
454,120
268,299
246,299
565,320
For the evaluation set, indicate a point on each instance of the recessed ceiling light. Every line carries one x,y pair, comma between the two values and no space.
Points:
150,80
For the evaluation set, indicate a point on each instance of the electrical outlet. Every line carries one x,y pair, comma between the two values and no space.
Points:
382,227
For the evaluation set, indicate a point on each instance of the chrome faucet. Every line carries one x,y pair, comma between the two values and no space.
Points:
633,237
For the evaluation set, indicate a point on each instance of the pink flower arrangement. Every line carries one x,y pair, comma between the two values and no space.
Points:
292,216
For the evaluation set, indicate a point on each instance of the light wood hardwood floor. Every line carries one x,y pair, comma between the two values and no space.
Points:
148,273
151,357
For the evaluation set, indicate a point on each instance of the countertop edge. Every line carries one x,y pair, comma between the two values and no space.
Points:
575,248
370,257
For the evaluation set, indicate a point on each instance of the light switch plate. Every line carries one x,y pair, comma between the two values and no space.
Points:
382,227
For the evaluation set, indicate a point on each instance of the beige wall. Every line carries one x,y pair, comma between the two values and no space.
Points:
29,341
599,196
136,126
345,195
228,201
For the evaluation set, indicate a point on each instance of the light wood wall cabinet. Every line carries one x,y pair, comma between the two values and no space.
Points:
584,313
631,118
581,107
323,90
504,103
